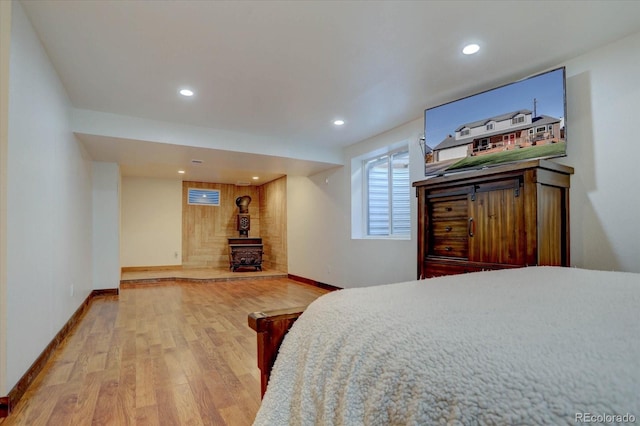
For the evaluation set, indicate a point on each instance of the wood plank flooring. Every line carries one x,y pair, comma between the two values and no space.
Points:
160,354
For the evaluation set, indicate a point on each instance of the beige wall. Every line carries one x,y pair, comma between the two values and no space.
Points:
603,99
48,237
319,207
273,224
106,187
5,36
151,222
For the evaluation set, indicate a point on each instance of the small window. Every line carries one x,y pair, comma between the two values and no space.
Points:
490,126
464,132
540,129
204,197
387,195
517,120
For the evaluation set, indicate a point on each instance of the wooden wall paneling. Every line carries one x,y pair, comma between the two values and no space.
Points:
205,229
273,224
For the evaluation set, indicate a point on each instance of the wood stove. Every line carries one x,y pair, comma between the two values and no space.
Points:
245,253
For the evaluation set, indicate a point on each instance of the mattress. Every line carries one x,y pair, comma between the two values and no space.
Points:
538,345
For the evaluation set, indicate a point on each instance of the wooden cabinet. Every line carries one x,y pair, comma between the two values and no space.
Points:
501,217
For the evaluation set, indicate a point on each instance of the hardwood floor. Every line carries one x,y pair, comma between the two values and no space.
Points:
160,354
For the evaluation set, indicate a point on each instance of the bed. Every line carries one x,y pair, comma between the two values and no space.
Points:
537,345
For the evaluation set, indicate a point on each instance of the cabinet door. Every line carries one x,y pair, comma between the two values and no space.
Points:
496,223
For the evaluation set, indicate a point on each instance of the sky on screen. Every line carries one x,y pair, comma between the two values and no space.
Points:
548,89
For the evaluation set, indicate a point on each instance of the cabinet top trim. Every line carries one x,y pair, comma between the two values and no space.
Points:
514,167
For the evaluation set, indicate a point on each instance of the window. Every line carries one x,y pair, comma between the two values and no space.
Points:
490,126
464,132
203,197
482,144
517,120
540,129
387,189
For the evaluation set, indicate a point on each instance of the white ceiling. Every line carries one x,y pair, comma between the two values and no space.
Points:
286,69
212,165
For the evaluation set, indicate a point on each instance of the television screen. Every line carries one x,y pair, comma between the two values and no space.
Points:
519,121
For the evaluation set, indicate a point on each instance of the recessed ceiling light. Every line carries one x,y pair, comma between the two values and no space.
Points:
255,178
338,122
470,49
181,172
186,92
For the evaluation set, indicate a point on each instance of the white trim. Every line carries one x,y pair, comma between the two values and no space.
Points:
363,205
358,209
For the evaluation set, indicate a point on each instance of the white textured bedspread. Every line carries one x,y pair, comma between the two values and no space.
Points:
534,346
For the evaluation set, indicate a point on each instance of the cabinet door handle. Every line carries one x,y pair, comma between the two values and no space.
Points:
471,227
448,229
447,248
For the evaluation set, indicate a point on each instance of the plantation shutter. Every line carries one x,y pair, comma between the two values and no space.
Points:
400,190
378,195
388,201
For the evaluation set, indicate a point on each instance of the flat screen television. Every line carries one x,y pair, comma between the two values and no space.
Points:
519,121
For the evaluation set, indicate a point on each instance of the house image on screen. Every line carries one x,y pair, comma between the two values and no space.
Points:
514,130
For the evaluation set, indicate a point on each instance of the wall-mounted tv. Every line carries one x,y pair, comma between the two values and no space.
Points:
515,122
